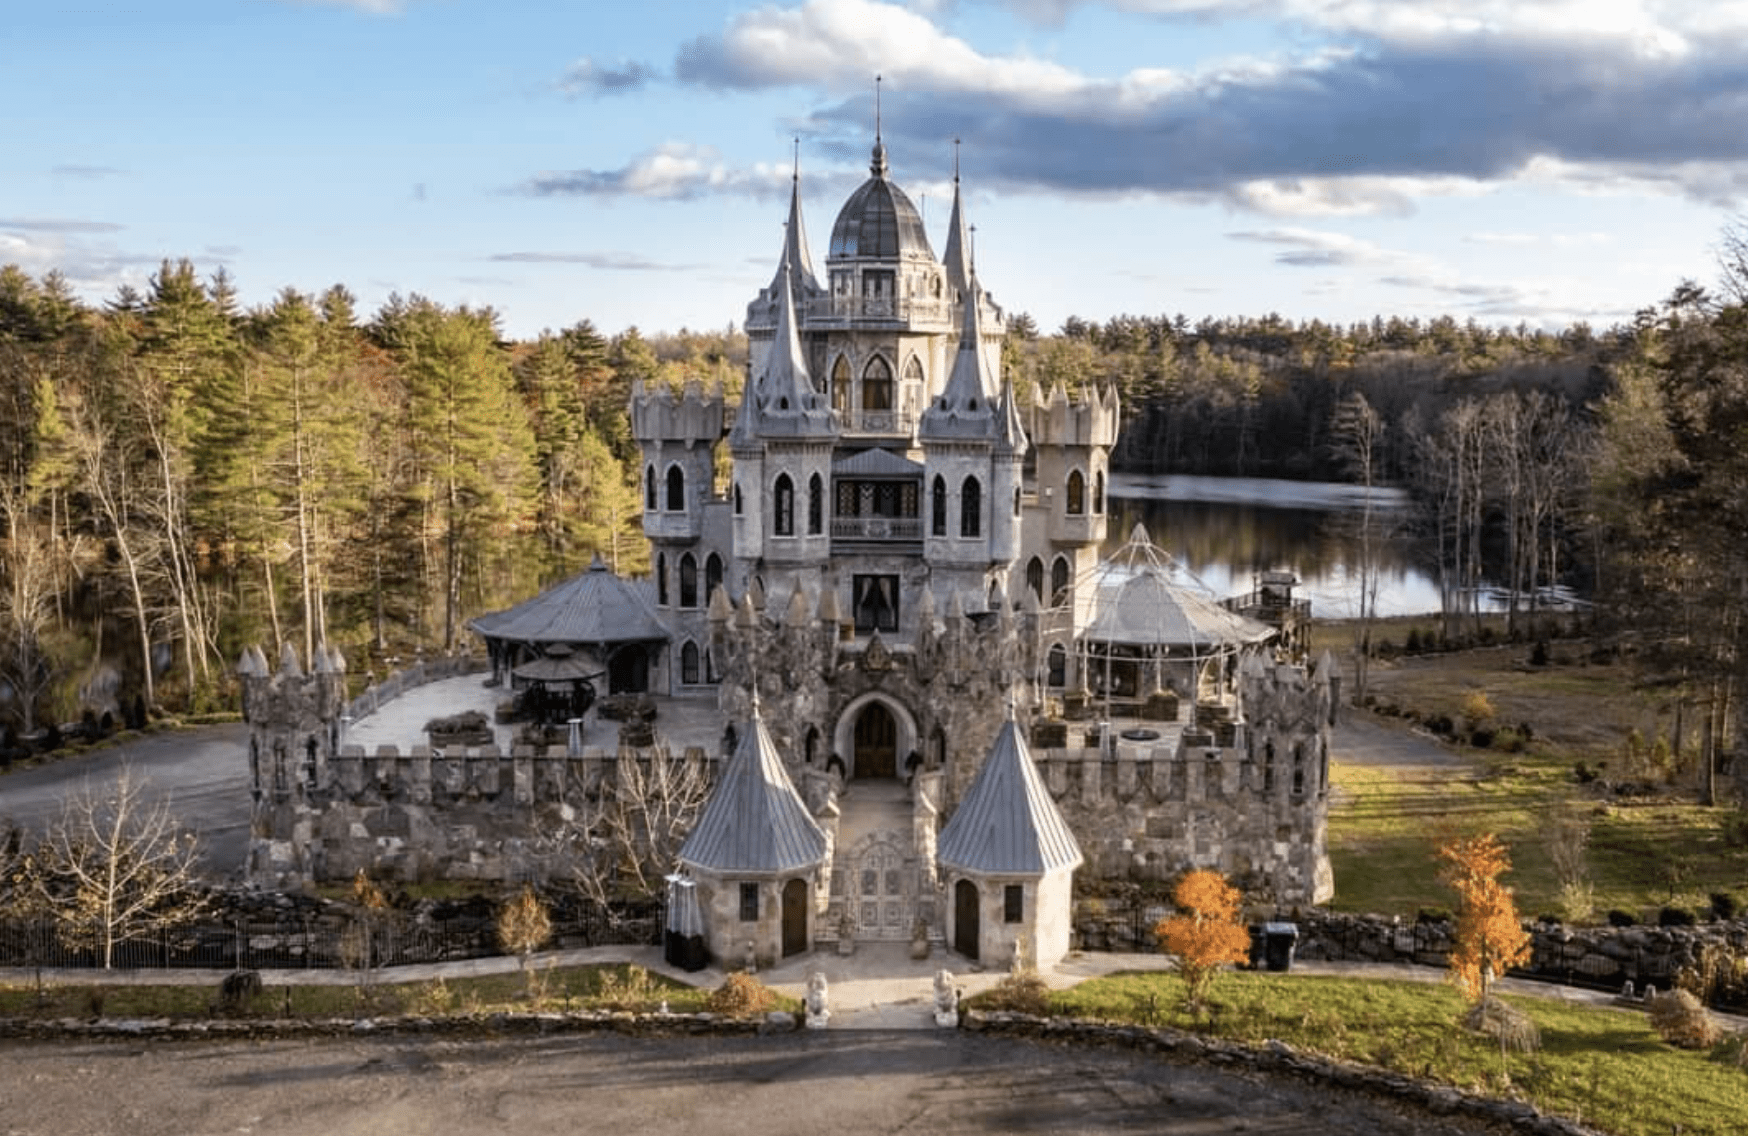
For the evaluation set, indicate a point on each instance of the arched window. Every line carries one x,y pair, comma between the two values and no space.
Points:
938,507
1059,582
662,578
1035,578
649,489
712,575
815,506
688,581
783,518
971,508
1099,492
877,385
841,385
1076,503
1016,502
1058,666
737,498
710,674
913,373
676,489
689,664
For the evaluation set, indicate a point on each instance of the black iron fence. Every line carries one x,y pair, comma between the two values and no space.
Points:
315,942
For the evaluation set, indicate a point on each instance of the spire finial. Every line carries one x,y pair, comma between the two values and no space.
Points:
797,174
878,166
955,161
972,251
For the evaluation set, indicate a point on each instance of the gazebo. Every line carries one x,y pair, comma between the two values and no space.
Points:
590,624
1146,632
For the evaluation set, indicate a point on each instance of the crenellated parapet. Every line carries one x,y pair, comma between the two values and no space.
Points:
688,416
1060,421
293,715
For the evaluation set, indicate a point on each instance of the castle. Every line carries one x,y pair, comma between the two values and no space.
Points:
896,594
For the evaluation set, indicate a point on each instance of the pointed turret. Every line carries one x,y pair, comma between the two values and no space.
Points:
964,408
1010,433
797,260
1007,823
957,258
781,401
754,821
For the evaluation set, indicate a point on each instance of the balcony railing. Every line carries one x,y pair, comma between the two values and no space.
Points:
876,421
877,528
884,307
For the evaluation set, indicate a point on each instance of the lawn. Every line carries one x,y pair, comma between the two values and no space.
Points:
566,988
1648,848
1604,1067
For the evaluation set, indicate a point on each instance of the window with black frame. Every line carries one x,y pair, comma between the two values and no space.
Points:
876,603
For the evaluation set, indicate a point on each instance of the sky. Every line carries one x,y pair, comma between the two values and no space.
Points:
1539,161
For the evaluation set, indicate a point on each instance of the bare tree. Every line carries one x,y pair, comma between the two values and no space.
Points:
1358,430
115,868
625,837
28,613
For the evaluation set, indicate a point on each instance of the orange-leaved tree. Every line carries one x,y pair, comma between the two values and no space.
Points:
1206,932
1490,938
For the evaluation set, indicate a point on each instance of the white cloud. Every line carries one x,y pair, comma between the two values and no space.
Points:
673,171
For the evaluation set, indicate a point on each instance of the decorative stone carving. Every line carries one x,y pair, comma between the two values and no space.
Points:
818,1012
946,1000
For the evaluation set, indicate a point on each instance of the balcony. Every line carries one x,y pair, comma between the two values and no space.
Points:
673,526
844,309
883,423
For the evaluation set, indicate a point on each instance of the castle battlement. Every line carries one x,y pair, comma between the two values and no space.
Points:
690,415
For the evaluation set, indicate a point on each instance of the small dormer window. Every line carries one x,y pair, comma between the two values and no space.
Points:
971,405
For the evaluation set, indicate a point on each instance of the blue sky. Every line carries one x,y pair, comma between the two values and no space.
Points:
1507,160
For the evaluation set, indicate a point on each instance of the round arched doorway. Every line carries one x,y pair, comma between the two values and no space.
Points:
874,735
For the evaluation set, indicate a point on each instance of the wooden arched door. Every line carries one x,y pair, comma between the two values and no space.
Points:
965,922
794,917
876,742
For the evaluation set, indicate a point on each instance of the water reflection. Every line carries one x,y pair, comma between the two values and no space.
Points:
1226,530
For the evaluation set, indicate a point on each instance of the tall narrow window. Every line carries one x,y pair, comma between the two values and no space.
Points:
1058,666
815,506
841,385
971,508
938,507
689,664
877,385
749,903
649,489
676,489
688,581
1059,582
712,575
1016,502
1013,903
1076,496
737,498
1035,578
662,578
1099,492
783,501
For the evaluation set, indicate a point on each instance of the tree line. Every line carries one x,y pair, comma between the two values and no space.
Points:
180,476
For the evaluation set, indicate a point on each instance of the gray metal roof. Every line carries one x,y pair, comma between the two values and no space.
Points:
1007,824
1137,600
754,820
877,463
879,221
594,607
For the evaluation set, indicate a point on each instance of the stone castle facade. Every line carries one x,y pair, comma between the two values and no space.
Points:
890,594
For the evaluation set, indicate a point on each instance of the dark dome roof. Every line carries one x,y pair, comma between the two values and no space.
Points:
879,221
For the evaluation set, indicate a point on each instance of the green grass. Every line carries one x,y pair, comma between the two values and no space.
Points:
564,988
1605,1067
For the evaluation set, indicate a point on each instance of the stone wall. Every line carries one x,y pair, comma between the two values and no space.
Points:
421,814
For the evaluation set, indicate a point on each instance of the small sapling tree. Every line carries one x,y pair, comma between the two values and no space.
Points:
524,925
1205,933
1490,937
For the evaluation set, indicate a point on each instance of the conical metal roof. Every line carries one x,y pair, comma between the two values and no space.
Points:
963,408
754,820
1137,601
594,607
1007,824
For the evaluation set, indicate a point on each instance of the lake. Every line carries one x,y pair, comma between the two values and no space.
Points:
1225,530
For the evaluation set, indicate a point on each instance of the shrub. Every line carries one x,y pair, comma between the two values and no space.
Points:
1441,725
1481,739
1723,905
239,989
1477,709
741,995
634,990
1680,1019
1507,1024
1508,741
1585,774
1735,828
1022,993
1411,645
1675,917
1619,918
1539,654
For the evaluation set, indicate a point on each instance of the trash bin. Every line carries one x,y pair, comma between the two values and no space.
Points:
1280,940
683,940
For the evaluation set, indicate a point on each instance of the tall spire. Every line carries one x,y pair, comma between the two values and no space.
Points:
965,407
957,258
788,404
877,167
797,259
